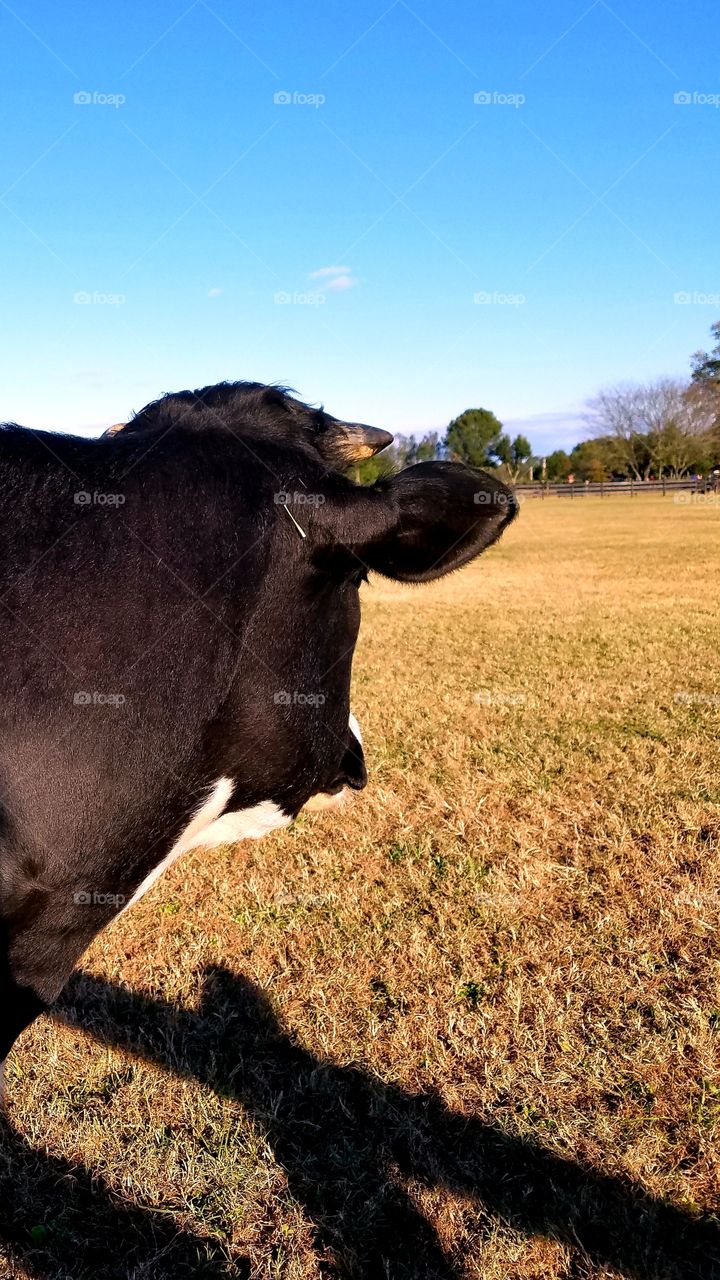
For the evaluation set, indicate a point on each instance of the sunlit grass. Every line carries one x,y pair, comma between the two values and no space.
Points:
519,915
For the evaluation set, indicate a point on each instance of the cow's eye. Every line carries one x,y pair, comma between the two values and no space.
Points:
359,575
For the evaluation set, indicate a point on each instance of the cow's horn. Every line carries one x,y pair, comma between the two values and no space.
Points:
356,442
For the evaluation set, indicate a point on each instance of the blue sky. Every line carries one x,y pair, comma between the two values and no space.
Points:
382,241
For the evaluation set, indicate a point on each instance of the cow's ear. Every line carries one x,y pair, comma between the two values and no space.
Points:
437,516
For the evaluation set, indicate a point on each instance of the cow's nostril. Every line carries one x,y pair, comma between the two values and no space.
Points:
352,771
359,781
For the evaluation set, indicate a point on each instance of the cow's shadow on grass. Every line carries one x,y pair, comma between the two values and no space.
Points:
350,1145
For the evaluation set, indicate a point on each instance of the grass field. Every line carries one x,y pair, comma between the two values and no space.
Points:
469,1028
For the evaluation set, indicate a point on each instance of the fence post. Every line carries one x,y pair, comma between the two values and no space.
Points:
663,480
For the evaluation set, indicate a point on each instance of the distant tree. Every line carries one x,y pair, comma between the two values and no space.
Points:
403,452
682,439
705,389
514,455
425,450
678,452
650,424
706,366
557,465
473,437
383,464
665,422
618,412
594,460
665,427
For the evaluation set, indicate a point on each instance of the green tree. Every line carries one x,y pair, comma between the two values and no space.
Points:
706,365
640,416
595,460
513,455
705,390
383,464
619,412
424,450
473,437
403,452
557,465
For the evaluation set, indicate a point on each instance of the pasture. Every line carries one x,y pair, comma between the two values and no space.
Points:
470,1027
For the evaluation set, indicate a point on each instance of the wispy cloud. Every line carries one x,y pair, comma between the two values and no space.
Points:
215,293
341,282
322,272
335,278
548,431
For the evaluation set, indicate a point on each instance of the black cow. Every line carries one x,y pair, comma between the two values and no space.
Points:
179,609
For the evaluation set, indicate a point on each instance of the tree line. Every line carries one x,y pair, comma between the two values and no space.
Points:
637,430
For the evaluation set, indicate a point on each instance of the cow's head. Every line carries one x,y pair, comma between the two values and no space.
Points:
268,412
414,527
310,538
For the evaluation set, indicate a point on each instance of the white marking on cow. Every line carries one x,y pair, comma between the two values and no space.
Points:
244,824
355,728
211,827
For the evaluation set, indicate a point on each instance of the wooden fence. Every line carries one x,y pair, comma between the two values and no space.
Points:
630,488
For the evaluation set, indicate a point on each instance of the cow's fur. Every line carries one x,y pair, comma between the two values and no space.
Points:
268,412
166,626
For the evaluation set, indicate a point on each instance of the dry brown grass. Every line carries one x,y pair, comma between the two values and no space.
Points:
471,1027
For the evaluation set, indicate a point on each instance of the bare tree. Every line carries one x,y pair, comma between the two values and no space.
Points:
663,415
617,411
659,426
